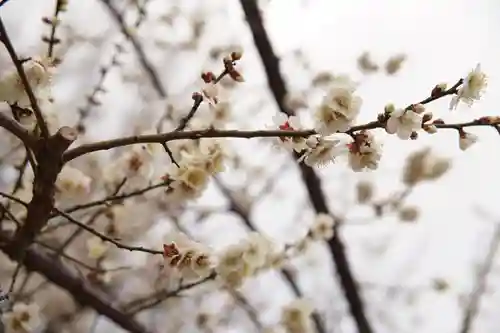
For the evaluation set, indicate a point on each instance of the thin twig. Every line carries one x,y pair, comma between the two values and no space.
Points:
156,298
113,198
52,40
104,237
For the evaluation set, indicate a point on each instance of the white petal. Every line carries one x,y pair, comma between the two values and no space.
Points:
404,133
392,125
454,102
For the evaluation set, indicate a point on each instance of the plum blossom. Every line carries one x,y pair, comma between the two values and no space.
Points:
365,152
288,123
323,227
24,318
295,317
245,258
472,89
38,73
97,248
424,165
191,259
404,122
73,183
467,140
339,108
324,150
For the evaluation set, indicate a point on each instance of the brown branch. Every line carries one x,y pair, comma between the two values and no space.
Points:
20,132
104,237
171,136
212,133
4,38
60,275
49,156
311,179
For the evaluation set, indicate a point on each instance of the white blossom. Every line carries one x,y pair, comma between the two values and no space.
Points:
73,184
424,165
24,318
403,123
324,151
472,89
135,165
323,227
39,76
467,140
96,247
288,123
295,317
245,258
339,108
191,259
365,152
211,91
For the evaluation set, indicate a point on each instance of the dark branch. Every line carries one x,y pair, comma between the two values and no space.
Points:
49,157
60,275
311,179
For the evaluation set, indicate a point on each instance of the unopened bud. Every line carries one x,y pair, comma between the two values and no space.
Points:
389,108
431,129
438,90
427,117
418,108
236,55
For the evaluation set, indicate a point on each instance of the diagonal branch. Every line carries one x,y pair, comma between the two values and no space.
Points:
311,179
60,275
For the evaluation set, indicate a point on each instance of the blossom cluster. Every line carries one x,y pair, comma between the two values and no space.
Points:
295,316
190,259
196,163
337,135
246,258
